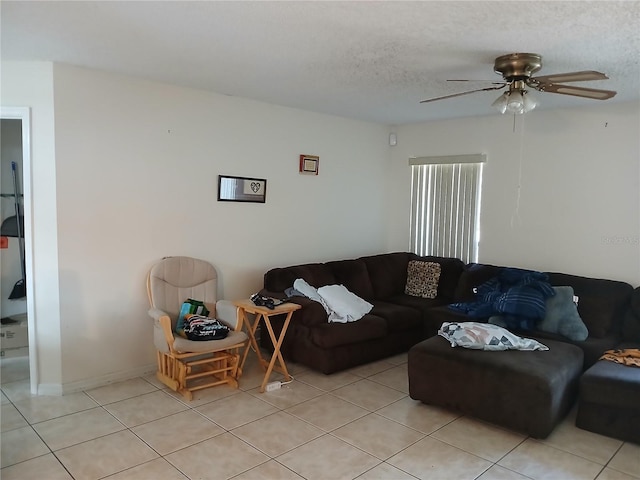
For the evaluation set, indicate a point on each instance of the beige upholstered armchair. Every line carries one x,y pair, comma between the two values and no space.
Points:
185,365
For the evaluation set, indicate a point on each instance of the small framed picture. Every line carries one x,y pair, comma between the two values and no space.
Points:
241,189
309,164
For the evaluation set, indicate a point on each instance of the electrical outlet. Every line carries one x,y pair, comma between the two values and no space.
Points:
273,386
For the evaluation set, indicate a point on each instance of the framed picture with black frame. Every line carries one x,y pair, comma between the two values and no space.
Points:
241,189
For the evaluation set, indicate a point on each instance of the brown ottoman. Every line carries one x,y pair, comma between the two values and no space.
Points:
527,391
610,401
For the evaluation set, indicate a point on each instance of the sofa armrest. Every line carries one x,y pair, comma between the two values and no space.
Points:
311,314
269,293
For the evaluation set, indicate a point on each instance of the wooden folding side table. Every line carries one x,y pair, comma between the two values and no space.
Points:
247,306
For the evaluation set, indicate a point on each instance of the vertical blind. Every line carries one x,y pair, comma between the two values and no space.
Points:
445,206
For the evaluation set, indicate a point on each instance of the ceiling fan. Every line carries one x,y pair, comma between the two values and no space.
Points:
517,70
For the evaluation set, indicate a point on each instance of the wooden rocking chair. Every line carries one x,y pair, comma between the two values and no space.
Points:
184,365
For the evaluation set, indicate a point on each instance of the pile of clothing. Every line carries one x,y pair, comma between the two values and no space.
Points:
517,296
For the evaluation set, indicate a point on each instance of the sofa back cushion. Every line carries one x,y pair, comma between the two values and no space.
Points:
316,274
474,274
354,275
601,303
631,327
450,271
422,279
387,273
562,317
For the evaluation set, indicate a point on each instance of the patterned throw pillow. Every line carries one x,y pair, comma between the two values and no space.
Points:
422,279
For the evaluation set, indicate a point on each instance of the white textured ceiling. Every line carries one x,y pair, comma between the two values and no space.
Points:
368,60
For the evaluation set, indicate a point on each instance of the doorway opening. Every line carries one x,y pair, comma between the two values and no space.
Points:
18,345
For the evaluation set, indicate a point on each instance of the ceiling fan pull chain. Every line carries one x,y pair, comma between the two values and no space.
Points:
516,213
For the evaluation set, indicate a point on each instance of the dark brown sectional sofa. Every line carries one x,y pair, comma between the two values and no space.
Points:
399,323
396,322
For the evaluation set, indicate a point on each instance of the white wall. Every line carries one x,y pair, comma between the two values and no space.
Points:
136,170
30,84
127,174
577,209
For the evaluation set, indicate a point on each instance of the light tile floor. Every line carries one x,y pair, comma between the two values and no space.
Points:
355,424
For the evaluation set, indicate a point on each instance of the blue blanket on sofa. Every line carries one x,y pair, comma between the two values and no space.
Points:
517,296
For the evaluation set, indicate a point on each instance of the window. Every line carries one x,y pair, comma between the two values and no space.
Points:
445,206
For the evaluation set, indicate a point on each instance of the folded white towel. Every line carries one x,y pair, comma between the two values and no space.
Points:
310,292
345,305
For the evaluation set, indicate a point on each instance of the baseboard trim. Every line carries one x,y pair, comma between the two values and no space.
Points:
96,382
50,389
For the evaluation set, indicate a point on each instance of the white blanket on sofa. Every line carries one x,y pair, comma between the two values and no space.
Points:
341,305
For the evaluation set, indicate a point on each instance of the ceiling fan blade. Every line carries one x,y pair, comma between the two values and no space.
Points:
583,76
576,91
464,93
474,80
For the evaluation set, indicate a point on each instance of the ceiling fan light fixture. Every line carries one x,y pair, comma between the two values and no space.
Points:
501,102
529,101
516,101
515,104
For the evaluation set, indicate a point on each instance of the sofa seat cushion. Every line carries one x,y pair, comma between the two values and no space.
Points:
331,335
398,317
423,305
426,307
592,347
